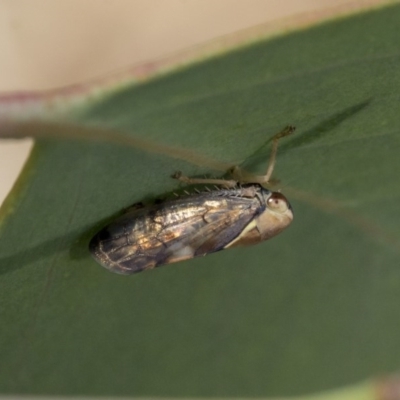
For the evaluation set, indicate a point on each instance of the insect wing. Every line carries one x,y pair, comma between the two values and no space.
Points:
211,229
171,232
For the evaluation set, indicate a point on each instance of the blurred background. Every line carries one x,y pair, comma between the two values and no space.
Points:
51,43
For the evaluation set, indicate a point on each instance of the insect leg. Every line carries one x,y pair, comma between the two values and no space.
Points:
229,183
242,177
271,164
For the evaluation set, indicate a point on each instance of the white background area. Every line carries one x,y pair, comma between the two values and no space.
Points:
51,43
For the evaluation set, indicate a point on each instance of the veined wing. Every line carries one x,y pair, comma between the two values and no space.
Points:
172,232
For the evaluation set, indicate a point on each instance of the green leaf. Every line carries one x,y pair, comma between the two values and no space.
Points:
314,309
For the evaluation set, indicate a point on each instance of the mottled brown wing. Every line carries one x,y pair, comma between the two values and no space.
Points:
171,232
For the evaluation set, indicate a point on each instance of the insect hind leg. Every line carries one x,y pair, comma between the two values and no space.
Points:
229,183
241,176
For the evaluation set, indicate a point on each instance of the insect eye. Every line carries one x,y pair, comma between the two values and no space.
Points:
277,202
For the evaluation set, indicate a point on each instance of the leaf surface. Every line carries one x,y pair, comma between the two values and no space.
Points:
313,309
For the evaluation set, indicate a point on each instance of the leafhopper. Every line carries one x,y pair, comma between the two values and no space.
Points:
238,212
